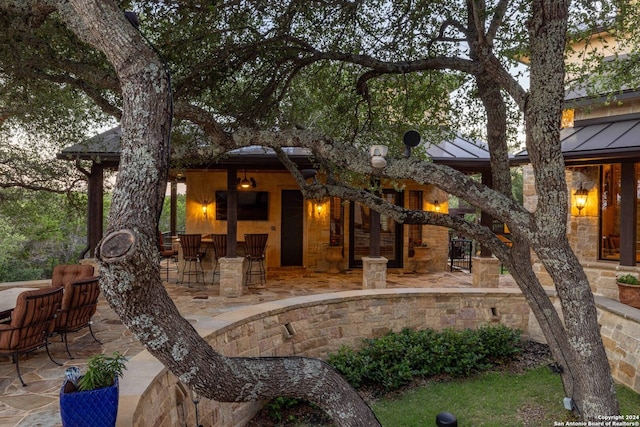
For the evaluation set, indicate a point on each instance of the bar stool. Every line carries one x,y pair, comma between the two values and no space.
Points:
167,253
219,251
255,247
192,256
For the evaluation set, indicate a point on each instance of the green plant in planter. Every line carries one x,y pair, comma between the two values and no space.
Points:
102,371
92,399
628,279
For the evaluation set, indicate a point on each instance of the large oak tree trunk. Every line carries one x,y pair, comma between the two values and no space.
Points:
128,255
586,375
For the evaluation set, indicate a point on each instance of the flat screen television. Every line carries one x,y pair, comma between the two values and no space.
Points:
252,205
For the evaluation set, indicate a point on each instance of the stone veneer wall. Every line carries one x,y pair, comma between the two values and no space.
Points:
321,324
316,325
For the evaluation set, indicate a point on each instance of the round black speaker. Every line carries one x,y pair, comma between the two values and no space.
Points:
411,138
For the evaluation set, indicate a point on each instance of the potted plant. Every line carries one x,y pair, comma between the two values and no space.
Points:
629,290
92,398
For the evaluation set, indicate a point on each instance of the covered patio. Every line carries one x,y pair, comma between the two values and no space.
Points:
249,191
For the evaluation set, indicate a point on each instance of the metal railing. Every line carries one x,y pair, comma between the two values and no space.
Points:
460,251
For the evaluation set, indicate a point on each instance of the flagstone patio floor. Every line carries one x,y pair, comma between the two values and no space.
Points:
37,404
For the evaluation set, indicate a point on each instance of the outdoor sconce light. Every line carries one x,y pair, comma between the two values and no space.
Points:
377,153
581,195
318,206
436,206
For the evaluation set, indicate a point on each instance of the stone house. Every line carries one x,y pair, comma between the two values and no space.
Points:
320,235
601,148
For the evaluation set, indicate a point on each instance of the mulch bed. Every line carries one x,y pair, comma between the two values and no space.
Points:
533,355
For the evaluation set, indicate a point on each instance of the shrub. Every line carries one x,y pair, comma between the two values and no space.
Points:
395,359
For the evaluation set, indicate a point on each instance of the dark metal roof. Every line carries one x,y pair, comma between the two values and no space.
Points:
600,140
104,147
460,152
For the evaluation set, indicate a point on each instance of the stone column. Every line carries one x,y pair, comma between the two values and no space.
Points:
374,272
231,277
486,272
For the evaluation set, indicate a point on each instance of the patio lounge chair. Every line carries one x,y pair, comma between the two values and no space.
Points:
65,273
31,324
79,304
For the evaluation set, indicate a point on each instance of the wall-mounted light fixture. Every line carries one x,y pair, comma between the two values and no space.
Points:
204,208
580,196
436,206
377,153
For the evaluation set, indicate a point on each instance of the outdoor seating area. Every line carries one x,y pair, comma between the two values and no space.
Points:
30,317
197,257
38,404
39,401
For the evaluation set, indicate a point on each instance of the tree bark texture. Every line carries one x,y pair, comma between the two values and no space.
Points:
128,255
587,376
131,278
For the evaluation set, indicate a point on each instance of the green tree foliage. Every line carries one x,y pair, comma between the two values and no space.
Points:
39,230
240,72
181,213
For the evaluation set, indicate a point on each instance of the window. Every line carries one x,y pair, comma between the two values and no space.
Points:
610,212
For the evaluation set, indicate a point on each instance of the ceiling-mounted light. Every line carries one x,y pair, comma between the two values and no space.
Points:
246,183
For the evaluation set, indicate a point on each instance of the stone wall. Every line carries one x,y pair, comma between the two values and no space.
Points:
202,186
312,326
317,325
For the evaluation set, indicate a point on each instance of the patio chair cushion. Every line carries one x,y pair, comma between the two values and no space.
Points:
31,320
79,303
65,273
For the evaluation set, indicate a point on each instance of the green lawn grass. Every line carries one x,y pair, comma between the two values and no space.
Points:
491,399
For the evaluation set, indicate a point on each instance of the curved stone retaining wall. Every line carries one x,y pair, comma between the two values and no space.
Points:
311,326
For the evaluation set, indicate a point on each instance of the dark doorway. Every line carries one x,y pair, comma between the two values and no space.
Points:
291,228
390,234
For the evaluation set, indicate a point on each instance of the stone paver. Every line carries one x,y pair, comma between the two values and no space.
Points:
37,404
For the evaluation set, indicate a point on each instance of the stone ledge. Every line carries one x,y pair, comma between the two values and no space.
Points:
146,377
616,307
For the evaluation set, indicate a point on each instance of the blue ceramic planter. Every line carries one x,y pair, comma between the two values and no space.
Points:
94,408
